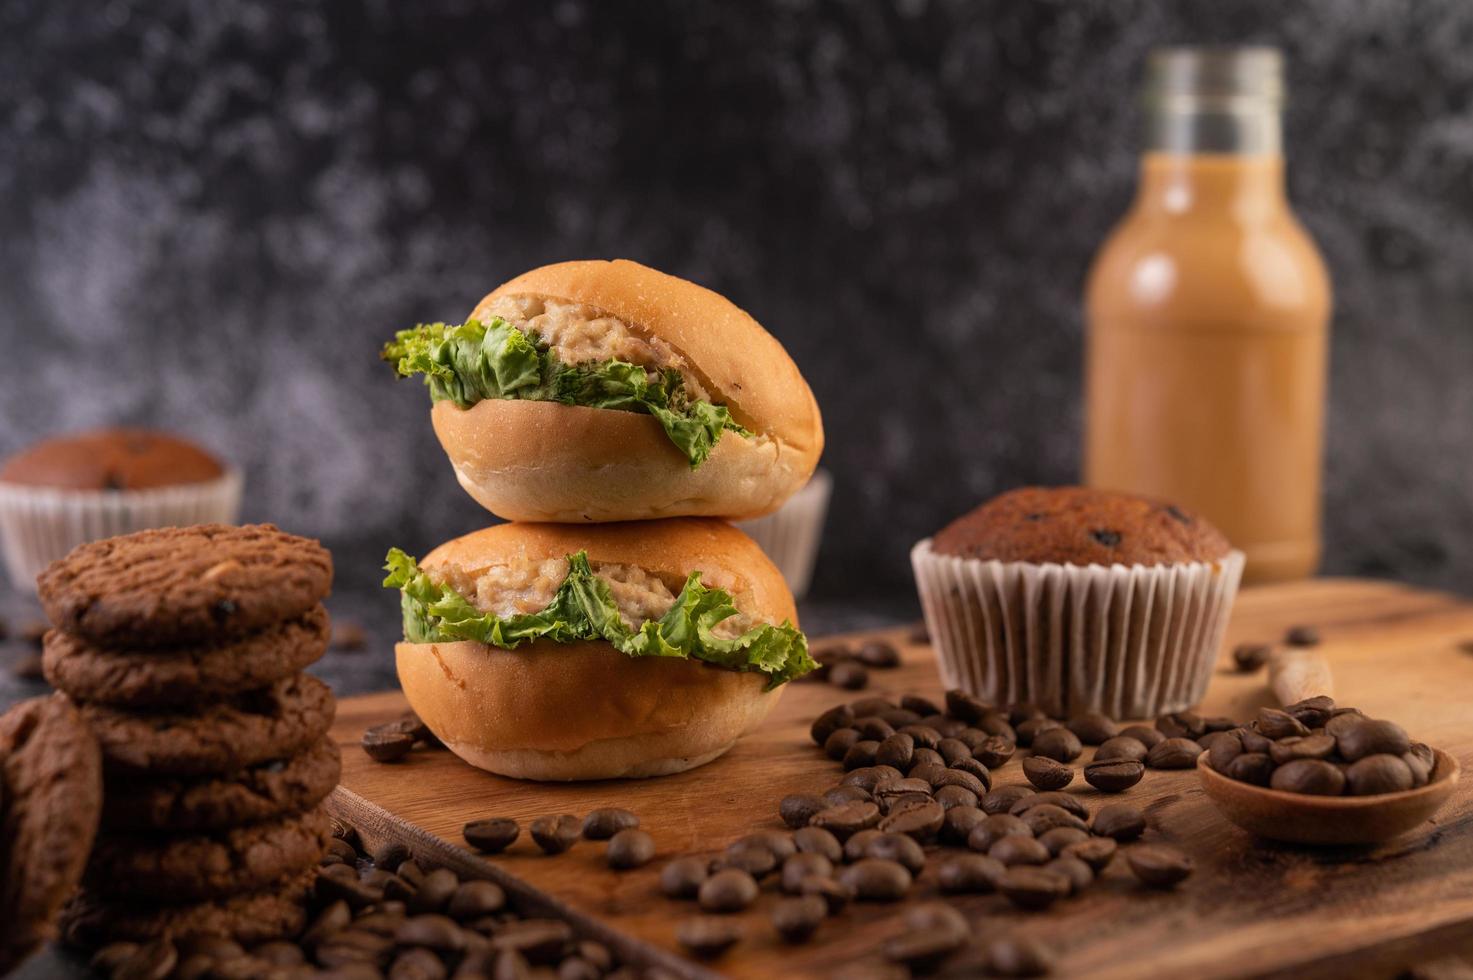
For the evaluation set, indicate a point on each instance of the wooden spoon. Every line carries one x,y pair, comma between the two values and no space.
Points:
1299,818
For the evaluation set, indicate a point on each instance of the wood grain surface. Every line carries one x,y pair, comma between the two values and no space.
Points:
1253,909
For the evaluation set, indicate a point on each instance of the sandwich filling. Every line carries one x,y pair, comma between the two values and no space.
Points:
542,350
636,612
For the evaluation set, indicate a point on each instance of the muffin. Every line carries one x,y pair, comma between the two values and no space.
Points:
66,491
1078,600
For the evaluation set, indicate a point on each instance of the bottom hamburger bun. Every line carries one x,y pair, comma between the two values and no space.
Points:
571,711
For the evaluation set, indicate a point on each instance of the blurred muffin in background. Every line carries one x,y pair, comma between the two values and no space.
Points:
68,490
790,535
1078,600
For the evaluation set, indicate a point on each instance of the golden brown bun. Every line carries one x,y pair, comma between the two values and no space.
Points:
559,711
112,459
541,461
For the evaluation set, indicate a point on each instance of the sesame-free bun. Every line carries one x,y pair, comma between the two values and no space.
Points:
565,711
544,461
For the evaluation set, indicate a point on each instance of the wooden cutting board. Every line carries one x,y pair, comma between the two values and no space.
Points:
1252,909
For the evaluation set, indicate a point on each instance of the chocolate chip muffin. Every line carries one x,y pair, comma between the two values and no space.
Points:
1080,526
1078,600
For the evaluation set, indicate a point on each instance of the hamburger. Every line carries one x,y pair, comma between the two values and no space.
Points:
562,652
607,391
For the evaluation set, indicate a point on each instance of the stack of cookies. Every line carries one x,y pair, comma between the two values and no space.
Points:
184,650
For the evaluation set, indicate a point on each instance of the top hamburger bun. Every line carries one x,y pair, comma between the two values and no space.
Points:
546,461
584,710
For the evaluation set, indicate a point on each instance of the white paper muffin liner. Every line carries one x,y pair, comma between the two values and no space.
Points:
41,524
1128,641
790,535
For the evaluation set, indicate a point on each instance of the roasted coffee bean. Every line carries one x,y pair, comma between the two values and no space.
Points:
389,855
1114,775
1061,837
1119,821
921,736
779,842
1212,738
1079,874
1121,747
474,899
1380,773
855,846
113,955
1059,744
1019,849
797,919
921,821
1067,801
951,796
1368,736
849,675
344,852
1145,734
876,880
602,824
555,834
277,952
996,723
1032,888
861,754
901,717
839,795
434,892
632,848
1250,657
797,809
539,940
1181,724
959,823
1218,723
1004,798
878,654
920,705
1275,724
995,828
896,750
1159,865
926,770
1024,711
1311,776
1097,852
705,936
922,950
953,750
353,946
1421,761
966,778
835,894
874,728
341,882
1299,747
154,960
1046,773
1042,819
1029,730
1302,636
905,785
1174,753
947,727
816,840
967,707
839,742
977,770
971,737
1093,728
386,746
1313,712
431,931
1253,741
804,865
728,890
1251,767
899,848
892,805
1223,749
684,876
868,777
755,860
871,706
970,874
994,752
1018,956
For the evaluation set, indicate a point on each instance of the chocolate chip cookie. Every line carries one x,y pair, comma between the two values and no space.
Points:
163,677
264,792
174,867
185,585
275,722
254,917
52,796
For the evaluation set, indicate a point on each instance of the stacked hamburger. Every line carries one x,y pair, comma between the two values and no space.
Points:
618,627
184,650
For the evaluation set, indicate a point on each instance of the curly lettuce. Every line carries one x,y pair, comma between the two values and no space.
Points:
478,360
584,609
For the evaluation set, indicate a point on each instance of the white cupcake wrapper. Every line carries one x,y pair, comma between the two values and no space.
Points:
790,535
41,524
1132,642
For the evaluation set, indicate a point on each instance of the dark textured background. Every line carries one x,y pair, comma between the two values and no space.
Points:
211,214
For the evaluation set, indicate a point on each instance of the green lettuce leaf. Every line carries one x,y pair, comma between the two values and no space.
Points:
584,609
475,361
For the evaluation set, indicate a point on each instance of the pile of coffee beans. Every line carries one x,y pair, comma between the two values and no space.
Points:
383,914
628,847
848,667
1317,748
393,740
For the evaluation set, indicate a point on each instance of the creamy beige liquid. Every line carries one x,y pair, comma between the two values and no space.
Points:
1207,314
